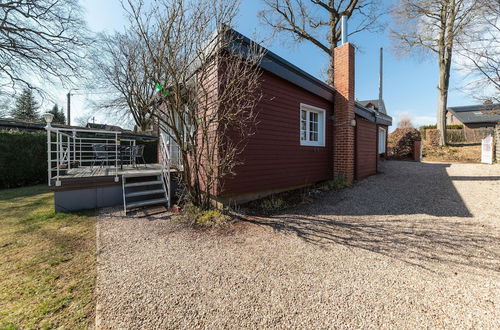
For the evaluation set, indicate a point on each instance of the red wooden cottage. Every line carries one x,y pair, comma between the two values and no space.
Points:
307,131
347,140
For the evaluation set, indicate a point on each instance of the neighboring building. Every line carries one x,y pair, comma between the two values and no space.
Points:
28,126
105,127
283,154
484,116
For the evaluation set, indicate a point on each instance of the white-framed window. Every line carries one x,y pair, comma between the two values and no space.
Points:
312,126
381,140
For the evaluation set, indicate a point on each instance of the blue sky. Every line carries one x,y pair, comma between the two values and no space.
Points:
409,83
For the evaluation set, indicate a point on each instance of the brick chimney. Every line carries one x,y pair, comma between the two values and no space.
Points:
344,131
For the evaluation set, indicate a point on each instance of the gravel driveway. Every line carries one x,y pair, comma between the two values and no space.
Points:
414,247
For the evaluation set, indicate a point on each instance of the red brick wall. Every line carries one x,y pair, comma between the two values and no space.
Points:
344,132
273,157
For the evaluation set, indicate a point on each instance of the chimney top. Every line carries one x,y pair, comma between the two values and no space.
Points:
343,27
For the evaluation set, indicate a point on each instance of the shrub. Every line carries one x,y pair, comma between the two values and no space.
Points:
401,141
196,217
273,203
432,137
23,158
334,184
211,218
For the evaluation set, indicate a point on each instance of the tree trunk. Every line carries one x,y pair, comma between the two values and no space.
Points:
442,104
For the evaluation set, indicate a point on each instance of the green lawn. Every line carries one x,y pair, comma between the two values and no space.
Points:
47,262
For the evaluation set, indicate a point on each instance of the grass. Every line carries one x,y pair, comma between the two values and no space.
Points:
47,262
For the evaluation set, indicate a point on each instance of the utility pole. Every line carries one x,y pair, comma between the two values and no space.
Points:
68,108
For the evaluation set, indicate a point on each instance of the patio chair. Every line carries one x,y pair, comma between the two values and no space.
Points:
138,153
100,154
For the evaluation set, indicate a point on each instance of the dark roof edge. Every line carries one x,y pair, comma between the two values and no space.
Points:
477,107
286,70
6,123
373,116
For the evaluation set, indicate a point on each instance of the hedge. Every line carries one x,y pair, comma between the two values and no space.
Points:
23,157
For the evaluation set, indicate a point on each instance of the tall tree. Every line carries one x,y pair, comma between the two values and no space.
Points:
435,26
59,117
480,54
117,69
318,21
40,40
26,107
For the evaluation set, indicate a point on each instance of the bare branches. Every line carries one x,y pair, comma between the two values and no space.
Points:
436,26
318,21
210,86
43,38
118,69
479,54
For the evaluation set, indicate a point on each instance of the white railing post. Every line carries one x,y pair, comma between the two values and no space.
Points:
68,151
49,158
116,157
58,157
74,146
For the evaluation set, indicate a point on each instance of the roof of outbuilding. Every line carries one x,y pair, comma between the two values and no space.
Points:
484,113
372,115
24,125
375,103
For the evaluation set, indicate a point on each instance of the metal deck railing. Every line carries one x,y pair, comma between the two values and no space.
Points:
69,148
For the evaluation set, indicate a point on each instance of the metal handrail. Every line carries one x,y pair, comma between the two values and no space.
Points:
72,149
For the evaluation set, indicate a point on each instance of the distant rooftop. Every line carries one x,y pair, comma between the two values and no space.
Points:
484,113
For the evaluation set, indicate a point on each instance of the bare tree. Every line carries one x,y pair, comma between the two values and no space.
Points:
117,71
39,40
405,122
318,21
480,53
435,26
209,86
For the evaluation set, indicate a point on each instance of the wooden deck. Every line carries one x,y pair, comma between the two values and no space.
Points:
96,171
86,177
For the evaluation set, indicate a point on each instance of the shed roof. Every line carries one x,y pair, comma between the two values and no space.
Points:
484,113
380,108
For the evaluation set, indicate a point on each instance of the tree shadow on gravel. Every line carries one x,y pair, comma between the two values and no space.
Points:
411,212
416,241
402,188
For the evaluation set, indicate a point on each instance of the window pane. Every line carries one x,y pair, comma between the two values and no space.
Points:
303,135
313,117
313,136
313,127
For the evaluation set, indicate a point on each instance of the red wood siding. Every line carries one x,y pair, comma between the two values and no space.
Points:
366,148
273,157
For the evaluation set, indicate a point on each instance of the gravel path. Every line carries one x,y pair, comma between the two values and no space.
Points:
414,247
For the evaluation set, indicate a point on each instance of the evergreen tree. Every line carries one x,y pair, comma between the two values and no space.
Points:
26,106
59,117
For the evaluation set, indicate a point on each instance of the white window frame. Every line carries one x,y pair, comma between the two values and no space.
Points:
321,125
381,142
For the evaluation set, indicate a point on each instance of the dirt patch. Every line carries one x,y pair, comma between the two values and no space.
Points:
450,153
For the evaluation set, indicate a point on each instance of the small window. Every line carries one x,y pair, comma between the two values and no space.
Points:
312,126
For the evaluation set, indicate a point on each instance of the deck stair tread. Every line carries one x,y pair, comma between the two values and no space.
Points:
145,192
138,175
142,183
147,202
